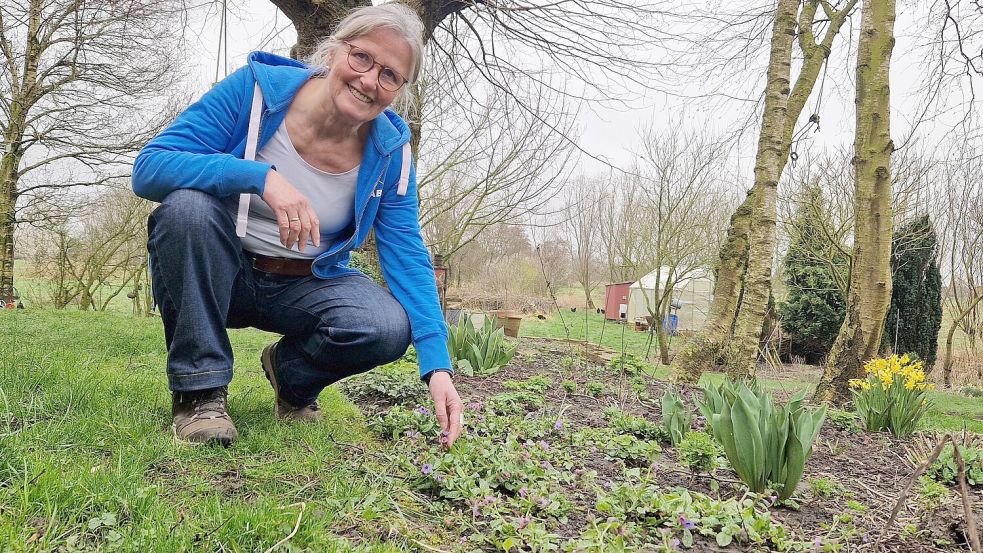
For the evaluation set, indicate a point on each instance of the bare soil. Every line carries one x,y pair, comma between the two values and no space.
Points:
872,469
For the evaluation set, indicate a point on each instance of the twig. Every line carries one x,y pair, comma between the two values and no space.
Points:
586,396
293,533
911,481
974,536
872,490
427,547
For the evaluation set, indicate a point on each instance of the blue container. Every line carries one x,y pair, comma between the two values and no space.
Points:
671,324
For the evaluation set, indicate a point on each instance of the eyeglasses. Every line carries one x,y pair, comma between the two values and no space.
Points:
363,62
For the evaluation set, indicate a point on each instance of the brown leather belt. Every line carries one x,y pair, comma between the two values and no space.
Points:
282,265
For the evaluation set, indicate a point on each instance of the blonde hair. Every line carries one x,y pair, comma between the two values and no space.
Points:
364,20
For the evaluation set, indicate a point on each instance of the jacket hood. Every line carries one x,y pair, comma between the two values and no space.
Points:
280,78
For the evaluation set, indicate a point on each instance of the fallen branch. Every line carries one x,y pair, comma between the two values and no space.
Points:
911,482
293,533
974,536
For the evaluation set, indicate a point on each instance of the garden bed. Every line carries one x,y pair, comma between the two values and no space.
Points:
543,466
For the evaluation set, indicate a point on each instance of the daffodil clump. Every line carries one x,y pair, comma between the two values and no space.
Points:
893,396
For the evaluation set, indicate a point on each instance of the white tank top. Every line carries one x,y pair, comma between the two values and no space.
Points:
332,196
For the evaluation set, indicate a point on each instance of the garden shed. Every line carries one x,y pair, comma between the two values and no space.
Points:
616,300
692,295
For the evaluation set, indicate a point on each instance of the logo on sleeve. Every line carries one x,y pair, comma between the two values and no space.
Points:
377,193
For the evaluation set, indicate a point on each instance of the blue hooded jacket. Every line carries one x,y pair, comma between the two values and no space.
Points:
203,149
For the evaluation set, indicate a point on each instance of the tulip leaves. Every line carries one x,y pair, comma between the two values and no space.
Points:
766,444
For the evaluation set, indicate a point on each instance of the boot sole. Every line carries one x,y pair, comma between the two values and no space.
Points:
224,441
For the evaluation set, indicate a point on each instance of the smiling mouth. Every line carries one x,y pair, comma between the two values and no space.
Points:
359,96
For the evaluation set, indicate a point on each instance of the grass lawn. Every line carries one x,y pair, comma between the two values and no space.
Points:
87,459
616,336
88,463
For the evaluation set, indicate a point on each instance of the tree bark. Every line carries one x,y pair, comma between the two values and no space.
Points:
703,351
743,348
869,292
316,19
8,201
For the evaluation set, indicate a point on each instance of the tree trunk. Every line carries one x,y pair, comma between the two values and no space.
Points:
316,19
702,352
743,348
869,294
589,304
7,201
9,163
660,328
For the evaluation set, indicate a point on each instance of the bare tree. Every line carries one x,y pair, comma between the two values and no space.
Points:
500,167
80,87
682,204
581,218
93,258
621,220
962,248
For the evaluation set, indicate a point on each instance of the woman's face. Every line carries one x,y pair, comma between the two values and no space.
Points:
358,97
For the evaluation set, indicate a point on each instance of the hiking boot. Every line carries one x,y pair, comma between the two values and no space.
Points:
282,409
201,417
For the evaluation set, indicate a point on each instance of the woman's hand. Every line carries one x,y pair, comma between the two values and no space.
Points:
294,215
448,407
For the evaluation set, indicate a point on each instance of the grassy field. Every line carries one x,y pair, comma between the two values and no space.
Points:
576,324
87,460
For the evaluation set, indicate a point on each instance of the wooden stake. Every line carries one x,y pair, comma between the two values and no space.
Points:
974,536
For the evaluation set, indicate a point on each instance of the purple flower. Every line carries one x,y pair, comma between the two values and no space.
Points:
544,464
544,444
543,502
558,425
426,469
421,410
687,523
818,543
674,543
523,521
523,491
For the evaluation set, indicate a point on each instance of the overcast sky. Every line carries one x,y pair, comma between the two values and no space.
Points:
255,24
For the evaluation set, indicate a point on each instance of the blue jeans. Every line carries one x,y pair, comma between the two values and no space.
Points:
205,283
